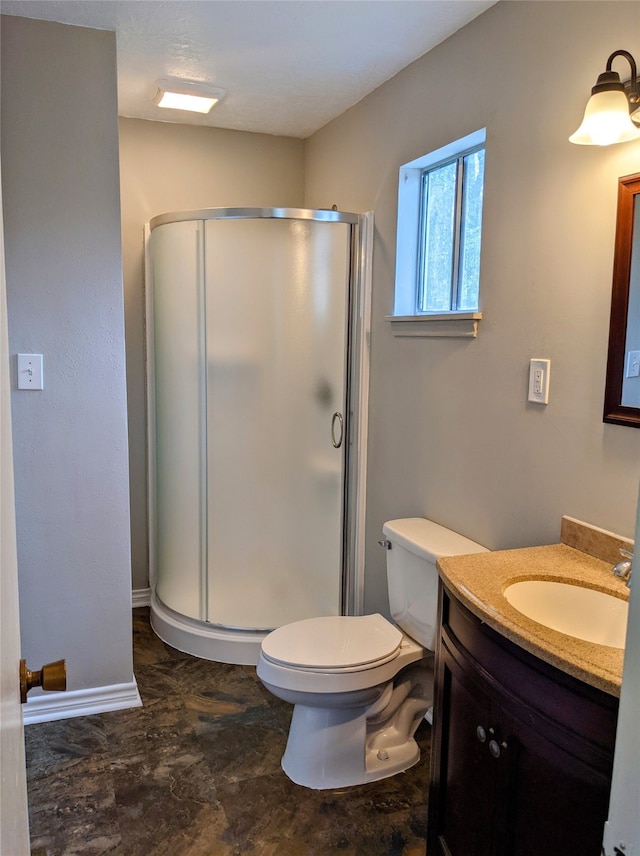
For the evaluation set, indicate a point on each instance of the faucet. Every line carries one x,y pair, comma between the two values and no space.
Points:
624,568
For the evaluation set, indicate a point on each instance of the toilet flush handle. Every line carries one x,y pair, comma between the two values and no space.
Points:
384,543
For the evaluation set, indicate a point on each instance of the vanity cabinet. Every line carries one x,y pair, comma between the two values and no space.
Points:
522,753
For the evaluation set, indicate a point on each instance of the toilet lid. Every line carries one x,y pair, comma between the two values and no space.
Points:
334,643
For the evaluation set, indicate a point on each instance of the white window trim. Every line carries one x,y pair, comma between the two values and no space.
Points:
436,325
405,321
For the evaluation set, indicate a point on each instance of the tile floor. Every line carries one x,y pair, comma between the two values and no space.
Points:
196,772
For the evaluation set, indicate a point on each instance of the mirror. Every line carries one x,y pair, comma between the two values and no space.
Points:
622,390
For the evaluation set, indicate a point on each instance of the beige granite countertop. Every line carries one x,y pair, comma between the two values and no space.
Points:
478,581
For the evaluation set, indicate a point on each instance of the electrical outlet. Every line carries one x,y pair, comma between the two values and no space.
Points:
633,364
539,371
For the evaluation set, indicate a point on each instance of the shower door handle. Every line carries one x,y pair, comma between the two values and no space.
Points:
337,417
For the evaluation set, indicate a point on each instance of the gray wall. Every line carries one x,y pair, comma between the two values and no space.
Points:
452,436
167,167
60,188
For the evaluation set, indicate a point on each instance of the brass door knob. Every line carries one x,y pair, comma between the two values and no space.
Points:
51,677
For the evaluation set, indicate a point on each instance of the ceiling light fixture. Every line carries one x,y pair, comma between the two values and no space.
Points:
187,95
606,117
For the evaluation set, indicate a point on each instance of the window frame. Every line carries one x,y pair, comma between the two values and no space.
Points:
409,282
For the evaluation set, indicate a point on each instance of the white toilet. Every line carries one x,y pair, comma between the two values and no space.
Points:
360,684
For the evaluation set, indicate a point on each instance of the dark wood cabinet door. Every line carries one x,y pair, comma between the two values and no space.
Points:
557,794
466,818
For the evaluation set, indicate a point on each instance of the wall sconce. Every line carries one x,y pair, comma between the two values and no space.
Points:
187,95
606,117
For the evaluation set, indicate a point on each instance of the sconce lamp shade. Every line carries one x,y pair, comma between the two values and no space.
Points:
606,118
185,95
606,121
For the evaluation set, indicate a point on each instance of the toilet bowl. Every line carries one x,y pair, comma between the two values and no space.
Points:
361,685
338,673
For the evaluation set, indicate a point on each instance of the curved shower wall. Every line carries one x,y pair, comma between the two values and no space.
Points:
253,381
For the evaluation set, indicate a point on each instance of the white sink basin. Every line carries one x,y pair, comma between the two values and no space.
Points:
584,613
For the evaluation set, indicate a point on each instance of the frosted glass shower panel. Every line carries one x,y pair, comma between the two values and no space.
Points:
276,309
180,413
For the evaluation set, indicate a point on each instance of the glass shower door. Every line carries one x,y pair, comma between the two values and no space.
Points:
180,415
277,295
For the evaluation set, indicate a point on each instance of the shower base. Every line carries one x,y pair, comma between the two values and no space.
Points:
204,640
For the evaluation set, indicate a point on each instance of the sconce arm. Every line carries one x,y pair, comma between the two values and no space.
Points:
633,86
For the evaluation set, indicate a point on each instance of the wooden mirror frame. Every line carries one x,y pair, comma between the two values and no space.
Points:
614,410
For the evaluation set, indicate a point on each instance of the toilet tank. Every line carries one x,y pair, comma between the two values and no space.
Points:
412,577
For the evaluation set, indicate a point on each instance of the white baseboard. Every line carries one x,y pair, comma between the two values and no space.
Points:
51,706
140,597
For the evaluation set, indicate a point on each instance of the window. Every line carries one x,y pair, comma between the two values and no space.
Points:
439,232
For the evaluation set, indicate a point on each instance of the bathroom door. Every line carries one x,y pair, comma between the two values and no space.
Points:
277,309
14,821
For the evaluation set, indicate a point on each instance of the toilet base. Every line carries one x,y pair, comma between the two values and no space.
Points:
302,768
331,747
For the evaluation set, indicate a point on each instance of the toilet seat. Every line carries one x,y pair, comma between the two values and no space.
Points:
334,644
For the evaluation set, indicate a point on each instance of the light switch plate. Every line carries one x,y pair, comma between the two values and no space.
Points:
30,371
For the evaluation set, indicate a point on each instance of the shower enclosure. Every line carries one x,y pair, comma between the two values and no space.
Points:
257,360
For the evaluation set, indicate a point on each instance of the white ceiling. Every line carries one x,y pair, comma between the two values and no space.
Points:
289,66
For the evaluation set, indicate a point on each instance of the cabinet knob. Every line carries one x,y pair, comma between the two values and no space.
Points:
481,734
496,748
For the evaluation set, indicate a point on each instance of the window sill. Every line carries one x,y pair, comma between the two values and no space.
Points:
446,325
